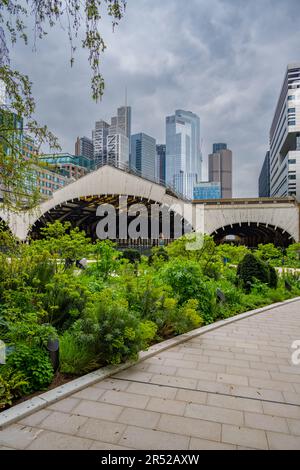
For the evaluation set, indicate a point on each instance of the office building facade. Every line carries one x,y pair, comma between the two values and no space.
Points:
207,190
183,153
218,147
285,138
143,155
264,178
99,135
220,169
84,146
161,163
72,167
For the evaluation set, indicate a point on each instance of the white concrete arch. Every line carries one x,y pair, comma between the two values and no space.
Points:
106,180
283,215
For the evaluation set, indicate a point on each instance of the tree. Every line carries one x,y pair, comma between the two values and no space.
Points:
269,253
14,18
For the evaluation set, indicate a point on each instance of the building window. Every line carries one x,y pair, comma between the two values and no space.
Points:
292,177
292,161
291,110
291,123
291,97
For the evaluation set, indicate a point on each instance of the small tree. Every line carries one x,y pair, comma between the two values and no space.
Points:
252,268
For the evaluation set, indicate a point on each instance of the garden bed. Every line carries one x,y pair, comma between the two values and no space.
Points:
119,305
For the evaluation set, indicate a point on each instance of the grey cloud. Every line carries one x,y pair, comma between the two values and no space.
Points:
224,59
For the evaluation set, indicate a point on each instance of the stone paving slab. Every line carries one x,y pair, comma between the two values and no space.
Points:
231,388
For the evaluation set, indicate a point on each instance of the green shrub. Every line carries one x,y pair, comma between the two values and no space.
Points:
159,255
250,269
273,278
119,333
76,356
133,256
12,384
34,363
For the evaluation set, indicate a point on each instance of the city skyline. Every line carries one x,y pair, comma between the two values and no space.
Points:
218,64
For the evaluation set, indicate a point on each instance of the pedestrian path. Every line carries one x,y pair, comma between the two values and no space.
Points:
231,388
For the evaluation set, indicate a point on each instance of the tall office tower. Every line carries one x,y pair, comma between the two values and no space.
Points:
84,146
285,137
264,178
161,163
183,153
220,169
117,145
100,134
207,190
124,120
143,154
218,147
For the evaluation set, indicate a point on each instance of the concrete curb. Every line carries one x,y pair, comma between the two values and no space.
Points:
28,407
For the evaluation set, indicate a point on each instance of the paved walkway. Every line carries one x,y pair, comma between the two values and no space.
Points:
232,388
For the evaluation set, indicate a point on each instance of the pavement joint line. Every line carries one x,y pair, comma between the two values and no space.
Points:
28,407
208,392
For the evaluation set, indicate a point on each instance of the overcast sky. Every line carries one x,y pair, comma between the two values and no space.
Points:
222,59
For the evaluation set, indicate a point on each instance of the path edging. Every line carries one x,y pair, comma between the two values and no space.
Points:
27,407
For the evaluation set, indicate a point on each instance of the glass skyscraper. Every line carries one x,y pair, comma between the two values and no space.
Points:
143,155
183,153
264,178
161,163
207,190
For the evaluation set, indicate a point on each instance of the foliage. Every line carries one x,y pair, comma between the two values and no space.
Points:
16,172
34,363
120,336
12,385
293,255
251,269
269,253
62,242
159,255
76,355
133,256
106,257
112,310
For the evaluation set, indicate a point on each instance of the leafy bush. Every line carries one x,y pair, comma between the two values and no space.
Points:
12,385
251,268
34,363
133,256
158,255
76,356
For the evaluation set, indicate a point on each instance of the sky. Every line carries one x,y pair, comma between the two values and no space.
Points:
222,59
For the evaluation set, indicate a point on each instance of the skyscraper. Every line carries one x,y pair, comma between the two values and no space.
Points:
207,190
84,146
219,146
161,163
100,143
285,137
143,154
264,178
220,169
124,120
117,145
183,154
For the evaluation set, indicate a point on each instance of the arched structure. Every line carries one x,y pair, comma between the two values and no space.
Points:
251,221
78,201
